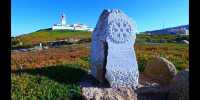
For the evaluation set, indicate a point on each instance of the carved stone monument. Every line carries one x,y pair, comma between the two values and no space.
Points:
112,51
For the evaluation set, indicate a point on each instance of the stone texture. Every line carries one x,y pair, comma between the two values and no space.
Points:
161,70
112,53
98,49
147,90
152,91
94,93
179,86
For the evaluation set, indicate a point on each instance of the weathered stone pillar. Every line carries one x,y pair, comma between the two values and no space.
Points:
112,51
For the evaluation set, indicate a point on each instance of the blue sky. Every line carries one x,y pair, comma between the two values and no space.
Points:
31,15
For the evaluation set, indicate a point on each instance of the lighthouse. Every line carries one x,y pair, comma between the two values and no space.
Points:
63,22
63,26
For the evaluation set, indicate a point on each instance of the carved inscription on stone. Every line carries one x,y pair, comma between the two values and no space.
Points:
112,53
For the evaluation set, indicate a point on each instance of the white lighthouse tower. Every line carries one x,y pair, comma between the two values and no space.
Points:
63,21
62,25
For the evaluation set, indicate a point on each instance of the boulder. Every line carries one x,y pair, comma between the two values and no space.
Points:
185,41
161,70
112,52
179,86
94,93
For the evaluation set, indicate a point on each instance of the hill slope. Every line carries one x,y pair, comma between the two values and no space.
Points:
171,30
50,35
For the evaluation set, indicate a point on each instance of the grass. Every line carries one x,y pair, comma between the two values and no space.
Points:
44,35
55,73
50,83
51,35
141,38
49,74
176,53
53,56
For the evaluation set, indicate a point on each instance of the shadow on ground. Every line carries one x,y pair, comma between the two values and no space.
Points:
89,81
66,74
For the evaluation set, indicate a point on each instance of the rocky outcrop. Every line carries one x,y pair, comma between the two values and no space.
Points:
92,90
147,90
94,93
161,70
179,86
150,90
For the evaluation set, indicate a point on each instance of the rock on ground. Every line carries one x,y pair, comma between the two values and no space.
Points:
94,90
185,41
91,93
179,86
160,70
147,90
